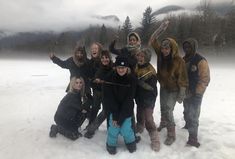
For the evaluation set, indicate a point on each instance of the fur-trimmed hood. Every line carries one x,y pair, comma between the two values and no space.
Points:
135,47
174,47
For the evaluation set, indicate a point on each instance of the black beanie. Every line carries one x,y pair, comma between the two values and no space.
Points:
121,61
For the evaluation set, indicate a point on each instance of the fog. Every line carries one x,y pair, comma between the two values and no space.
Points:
59,15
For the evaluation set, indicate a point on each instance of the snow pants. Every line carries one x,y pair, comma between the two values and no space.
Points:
125,130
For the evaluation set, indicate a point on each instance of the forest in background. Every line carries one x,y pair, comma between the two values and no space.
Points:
212,30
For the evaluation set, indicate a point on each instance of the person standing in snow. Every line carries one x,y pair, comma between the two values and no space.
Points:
172,76
94,64
130,50
199,78
77,64
118,95
146,95
105,68
71,112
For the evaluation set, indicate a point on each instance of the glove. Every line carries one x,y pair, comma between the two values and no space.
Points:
145,85
181,95
197,99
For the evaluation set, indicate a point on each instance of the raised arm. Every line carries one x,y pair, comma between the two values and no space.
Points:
113,49
59,62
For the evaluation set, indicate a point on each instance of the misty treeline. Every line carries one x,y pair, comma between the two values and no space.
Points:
208,27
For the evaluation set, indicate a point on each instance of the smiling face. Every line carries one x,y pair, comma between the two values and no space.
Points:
140,56
94,50
105,60
122,70
132,40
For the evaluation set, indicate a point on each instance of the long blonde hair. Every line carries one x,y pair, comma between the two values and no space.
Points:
72,83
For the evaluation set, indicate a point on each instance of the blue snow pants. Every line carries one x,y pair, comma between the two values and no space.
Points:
125,130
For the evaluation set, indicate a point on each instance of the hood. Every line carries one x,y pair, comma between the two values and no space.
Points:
193,43
174,47
136,35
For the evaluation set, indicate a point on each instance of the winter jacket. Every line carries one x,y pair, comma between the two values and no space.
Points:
93,65
172,73
118,95
125,52
70,106
147,74
101,73
198,70
75,68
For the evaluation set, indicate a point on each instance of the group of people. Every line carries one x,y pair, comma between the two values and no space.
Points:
132,79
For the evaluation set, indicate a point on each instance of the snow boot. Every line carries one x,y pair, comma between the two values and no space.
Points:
111,149
185,126
170,136
73,135
155,143
131,147
89,134
53,131
137,139
163,124
192,141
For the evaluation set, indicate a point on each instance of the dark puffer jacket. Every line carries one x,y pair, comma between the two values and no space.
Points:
118,95
69,106
147,74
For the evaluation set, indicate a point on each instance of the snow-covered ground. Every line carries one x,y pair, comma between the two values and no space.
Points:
30,91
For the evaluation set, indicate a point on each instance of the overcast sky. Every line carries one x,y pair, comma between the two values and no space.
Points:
57,15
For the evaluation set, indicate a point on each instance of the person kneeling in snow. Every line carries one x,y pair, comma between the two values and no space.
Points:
72,110
118,98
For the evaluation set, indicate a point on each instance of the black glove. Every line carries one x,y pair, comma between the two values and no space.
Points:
197,99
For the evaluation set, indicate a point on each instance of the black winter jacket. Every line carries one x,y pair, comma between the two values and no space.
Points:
118,95
69,106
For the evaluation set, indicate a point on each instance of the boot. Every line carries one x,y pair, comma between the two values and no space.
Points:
89,134
69,134
163,124
139,128
155,143
137,139
170,136
111,149
185,126
53,131
131,147
192,141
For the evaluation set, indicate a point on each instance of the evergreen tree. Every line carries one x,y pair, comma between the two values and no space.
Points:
127,27
147,25
103,35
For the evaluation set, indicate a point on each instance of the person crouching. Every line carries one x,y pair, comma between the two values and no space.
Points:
71,112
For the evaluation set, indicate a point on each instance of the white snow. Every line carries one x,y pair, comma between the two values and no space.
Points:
30,91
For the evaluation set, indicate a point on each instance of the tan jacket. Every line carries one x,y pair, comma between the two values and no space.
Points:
175,76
